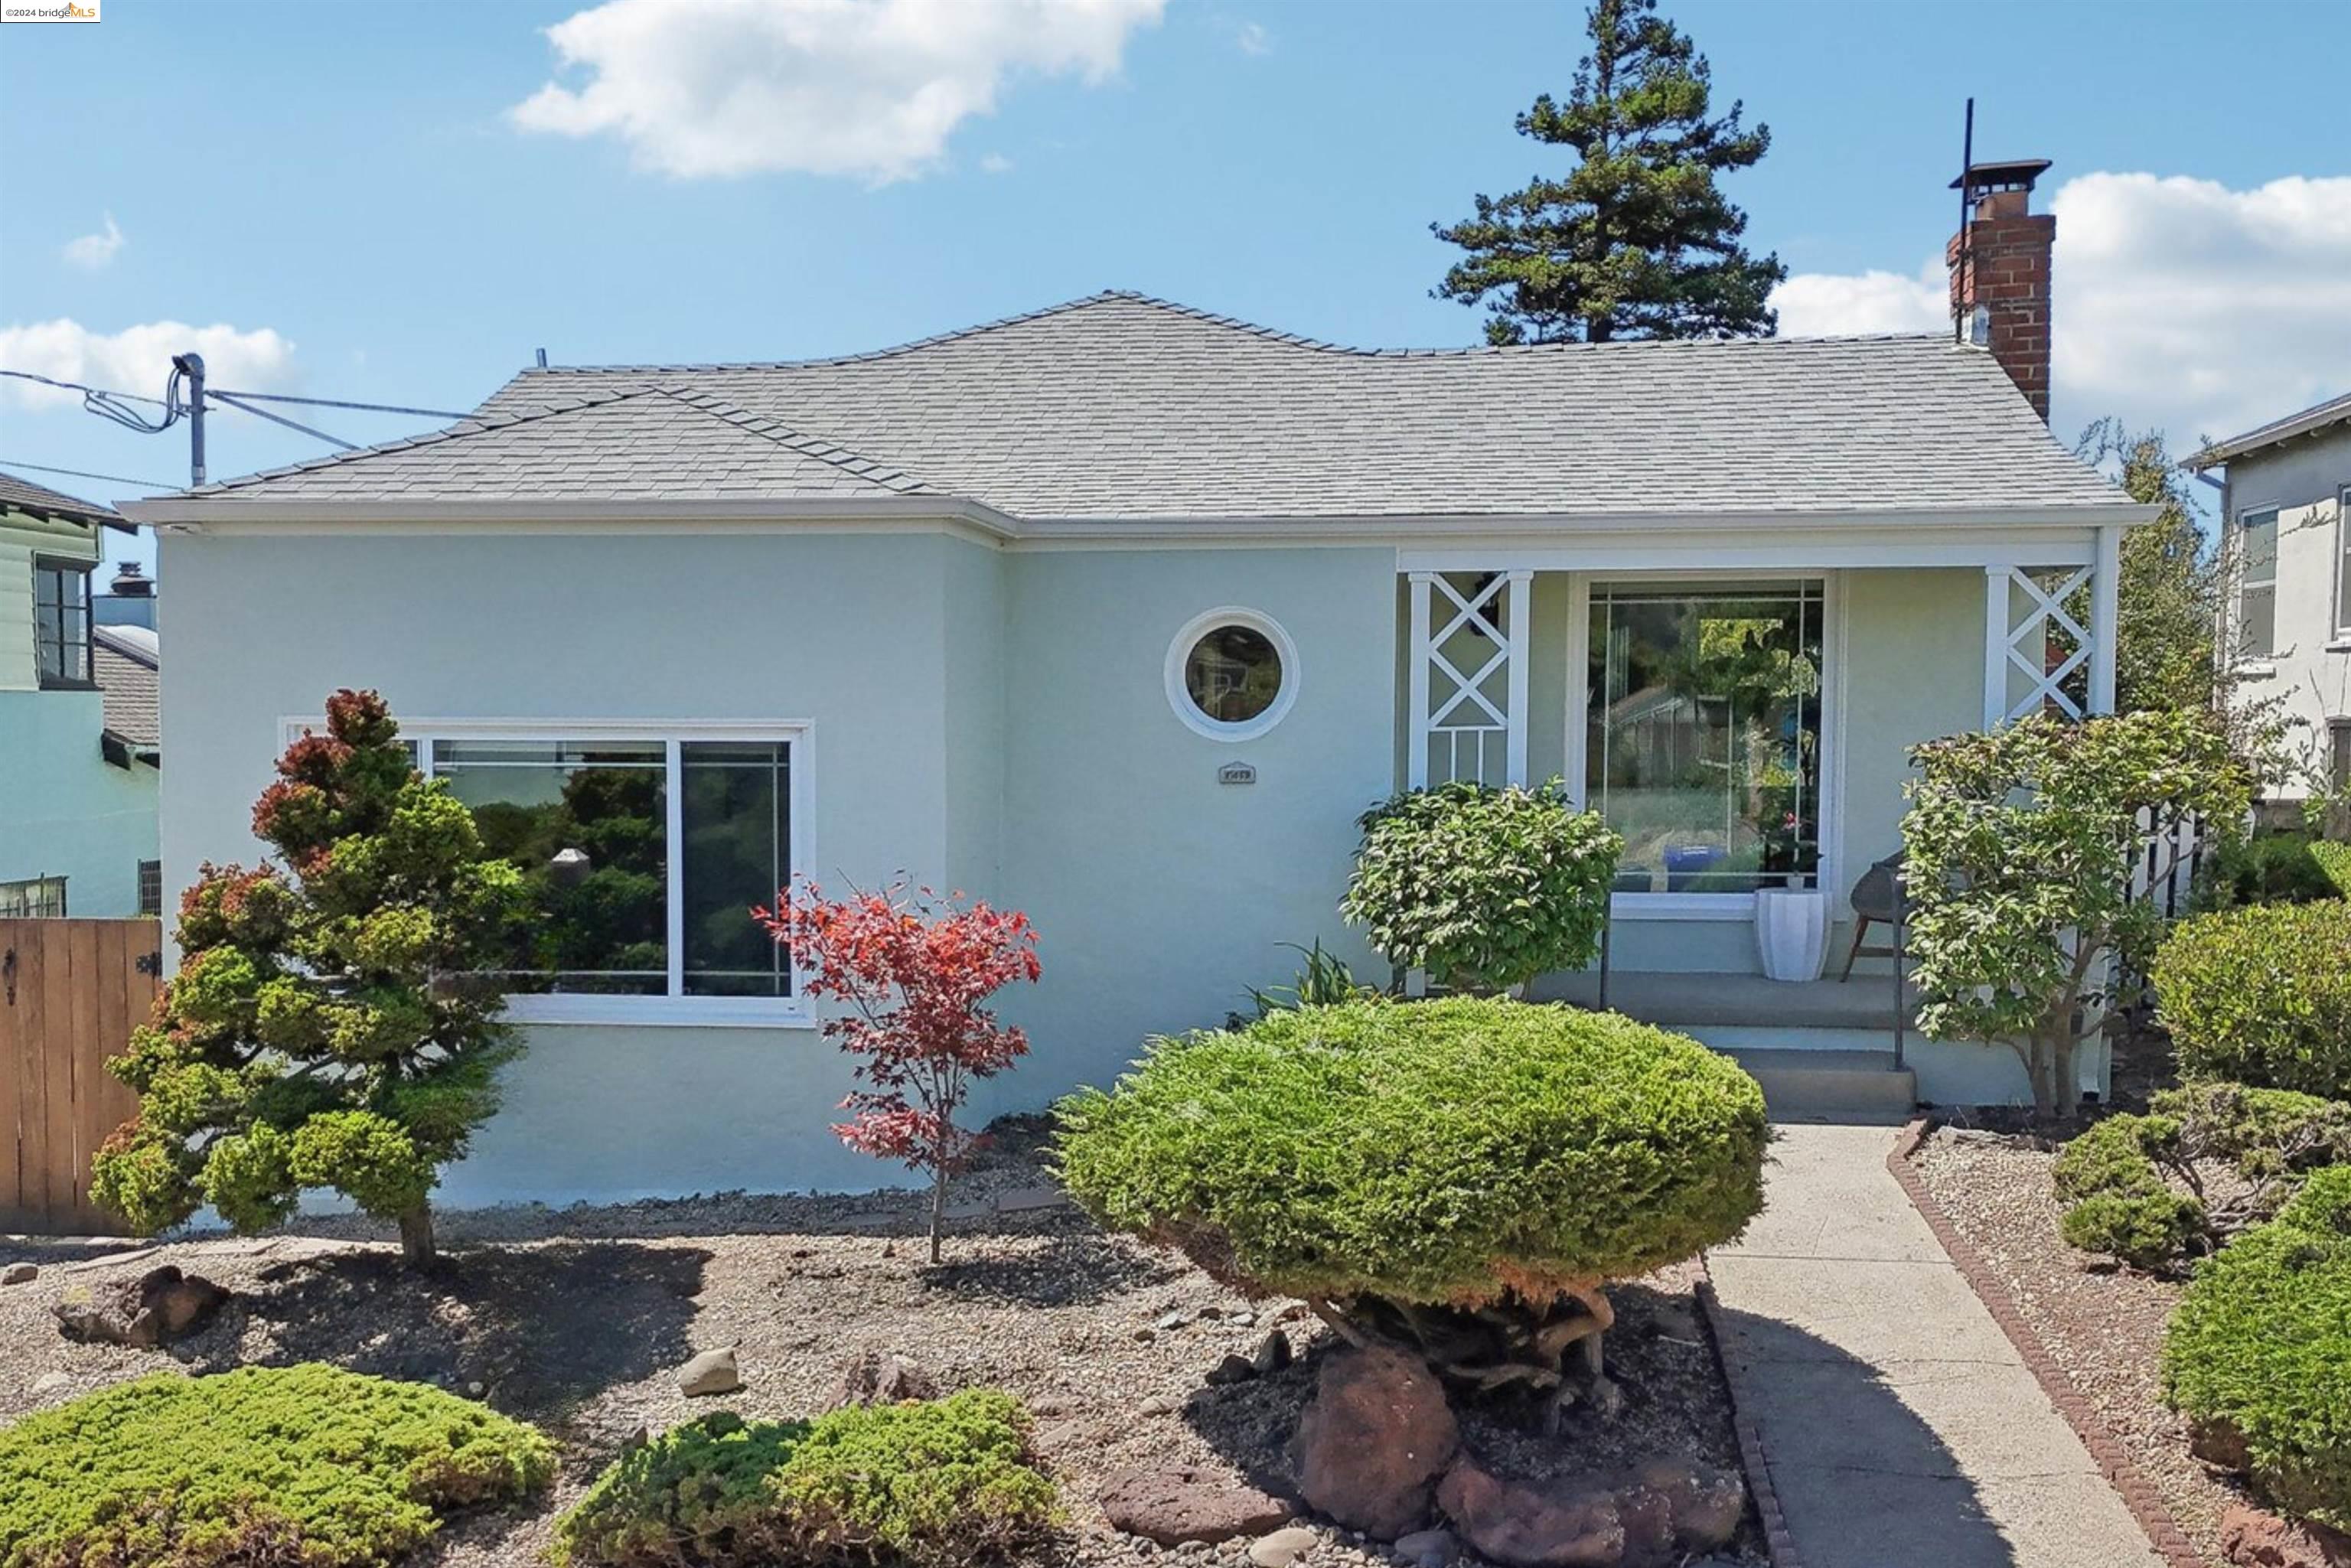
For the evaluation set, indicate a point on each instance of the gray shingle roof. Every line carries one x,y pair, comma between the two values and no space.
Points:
126,662
2305,422
1123,407
613,443
23,496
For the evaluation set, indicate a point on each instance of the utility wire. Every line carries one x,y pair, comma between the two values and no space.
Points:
86,474
86,392
232,400
330,402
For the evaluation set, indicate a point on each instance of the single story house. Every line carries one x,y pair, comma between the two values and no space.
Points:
78,790
2285,491
1120,612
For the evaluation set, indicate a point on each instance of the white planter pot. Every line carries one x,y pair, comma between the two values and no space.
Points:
1792,932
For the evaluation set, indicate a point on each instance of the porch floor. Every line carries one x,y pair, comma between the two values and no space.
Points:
1864,1002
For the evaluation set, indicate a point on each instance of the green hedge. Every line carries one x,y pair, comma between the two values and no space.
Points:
2116,1199
1433,1152
2261,1347
307,1465
2276,867
928,1484
2262,996
1483,888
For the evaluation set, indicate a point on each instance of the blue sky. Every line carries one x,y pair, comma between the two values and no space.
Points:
347,188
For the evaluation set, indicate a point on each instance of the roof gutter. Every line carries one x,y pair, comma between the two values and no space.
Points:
2310,422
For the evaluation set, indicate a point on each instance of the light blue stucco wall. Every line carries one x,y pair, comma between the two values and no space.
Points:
65,810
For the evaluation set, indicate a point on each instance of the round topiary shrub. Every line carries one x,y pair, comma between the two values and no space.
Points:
307,1465
929,1484
2258,1351
2116,1199
1457,1175
2263,996
1483,888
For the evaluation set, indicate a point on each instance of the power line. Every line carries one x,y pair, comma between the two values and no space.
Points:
330,402
232,400
86,474
86,392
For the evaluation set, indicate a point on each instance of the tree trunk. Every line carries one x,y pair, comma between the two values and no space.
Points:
938,1209
416,1236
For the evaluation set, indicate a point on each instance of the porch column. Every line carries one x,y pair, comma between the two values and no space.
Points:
2020,642
1995,668
1415,762
1518,609
2106,617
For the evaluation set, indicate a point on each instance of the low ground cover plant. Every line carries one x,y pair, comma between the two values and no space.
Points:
307,1465
2133,1187
2258,1353
1483,888
2261,995
2276,867
930,1484
1459,1176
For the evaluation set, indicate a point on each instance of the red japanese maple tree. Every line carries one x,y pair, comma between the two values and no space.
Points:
916,971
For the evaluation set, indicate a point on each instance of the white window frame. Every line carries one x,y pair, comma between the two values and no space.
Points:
673,1010
2245,659
2342,558
1179,655
1725,906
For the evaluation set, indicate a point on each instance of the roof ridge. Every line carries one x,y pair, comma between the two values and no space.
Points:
103,636
822,449
475,423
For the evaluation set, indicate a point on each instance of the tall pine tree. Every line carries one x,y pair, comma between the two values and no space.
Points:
1635,241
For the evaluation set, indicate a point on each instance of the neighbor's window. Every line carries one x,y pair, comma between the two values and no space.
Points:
33,898
61,622
643,857
1231,674
151,887
2342,562
2257,584
1703,745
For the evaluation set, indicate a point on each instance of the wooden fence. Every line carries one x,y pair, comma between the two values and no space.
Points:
70,992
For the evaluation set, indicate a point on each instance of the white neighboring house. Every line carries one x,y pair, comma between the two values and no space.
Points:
1120,613
79,737
2285,492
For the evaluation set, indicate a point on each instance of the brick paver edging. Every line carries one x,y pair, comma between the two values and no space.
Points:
2146,1505
1777,1541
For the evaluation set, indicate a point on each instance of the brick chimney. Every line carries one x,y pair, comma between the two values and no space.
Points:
1999,273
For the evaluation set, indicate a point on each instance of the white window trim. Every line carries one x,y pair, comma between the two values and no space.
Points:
1721,906
1179,652
666,1011
2342,638
2255,666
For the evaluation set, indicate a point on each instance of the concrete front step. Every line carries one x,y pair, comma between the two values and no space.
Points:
1827,1083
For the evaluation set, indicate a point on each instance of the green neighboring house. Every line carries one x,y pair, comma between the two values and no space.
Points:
80,741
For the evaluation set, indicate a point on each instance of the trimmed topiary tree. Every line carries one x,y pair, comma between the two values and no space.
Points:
309,1465
1483,888
929,1484
332,1024
2258,1353
2261,995
2021,848
1459,1177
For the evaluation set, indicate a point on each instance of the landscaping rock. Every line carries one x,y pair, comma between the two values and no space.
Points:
1425,1546
1158,1404
712,1372
2253,1538
159,1308
1173,1506
873,1378
1232,1369
2220,1445
1170,1322
19,1274
1374,1441
1521,1527
1283,1547
50,1384
1272,1355
1706,1504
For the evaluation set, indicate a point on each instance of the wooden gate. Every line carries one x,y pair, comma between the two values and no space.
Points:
70,992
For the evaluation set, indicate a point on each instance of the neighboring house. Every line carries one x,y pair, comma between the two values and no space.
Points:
1120,612
2285,491
79,742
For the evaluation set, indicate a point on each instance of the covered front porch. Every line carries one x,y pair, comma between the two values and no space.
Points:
1742,713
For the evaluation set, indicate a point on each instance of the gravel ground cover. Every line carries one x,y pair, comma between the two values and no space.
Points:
2103,1323
578,1320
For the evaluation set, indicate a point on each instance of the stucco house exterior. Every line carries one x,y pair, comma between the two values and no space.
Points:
1120,612
78,766
2286,490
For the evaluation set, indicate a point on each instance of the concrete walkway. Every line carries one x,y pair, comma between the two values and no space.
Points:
1900,1426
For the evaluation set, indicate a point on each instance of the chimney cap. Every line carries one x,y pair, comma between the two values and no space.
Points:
2015,174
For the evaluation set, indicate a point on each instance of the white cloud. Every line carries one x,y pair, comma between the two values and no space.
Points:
996,163
864,88
95,250
137,360
2181,304
1252,38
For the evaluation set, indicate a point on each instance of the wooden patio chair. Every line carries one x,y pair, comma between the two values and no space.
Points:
1877,896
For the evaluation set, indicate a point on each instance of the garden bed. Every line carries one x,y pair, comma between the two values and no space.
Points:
579,1319
2101,1324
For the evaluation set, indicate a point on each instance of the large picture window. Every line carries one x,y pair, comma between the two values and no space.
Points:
61,622
1703,742
2257,584
644,853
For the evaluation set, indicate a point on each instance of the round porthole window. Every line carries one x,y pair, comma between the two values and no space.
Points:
1232,674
